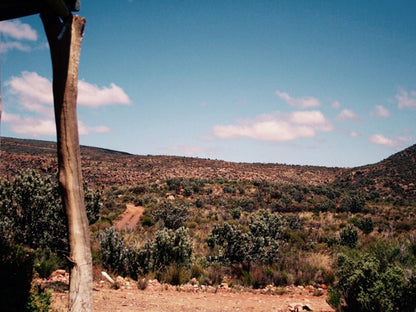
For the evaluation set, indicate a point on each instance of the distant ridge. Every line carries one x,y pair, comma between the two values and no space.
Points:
394,176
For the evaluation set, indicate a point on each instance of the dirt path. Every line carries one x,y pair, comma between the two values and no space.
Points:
130,217
160,298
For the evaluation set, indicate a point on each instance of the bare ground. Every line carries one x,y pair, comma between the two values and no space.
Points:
130,217
162,298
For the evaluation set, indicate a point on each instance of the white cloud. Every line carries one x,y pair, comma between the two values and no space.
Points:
13,32
405,100
347,114
36,127
354,134
380,139
34,92
304,102
93,96
18,30
276,127
380,112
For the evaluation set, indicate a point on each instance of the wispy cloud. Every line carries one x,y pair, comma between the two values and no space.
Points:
398,141
406,100
14,32
276,127
336,105
354,134
14,45
305,102
346,115
191,150
32,126
83,129
380,112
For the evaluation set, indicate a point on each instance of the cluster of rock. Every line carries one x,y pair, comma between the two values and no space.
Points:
194,286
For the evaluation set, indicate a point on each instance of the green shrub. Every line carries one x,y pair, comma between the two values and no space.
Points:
170,247
353,204
113,250
172,214
175,275
32,214
368,283
365,224
39,300
334,298
349,237
233,244
46,262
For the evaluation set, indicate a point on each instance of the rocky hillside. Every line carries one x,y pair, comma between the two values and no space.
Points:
394,176
107,167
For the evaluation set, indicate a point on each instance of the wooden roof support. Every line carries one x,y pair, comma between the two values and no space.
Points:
65,53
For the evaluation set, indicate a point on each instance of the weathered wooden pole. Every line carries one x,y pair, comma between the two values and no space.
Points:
65,53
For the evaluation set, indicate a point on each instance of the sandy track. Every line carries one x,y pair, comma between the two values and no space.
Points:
130,217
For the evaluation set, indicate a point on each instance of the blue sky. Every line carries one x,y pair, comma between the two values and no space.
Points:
326,83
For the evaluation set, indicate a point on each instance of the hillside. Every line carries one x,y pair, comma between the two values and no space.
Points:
394,176
107,167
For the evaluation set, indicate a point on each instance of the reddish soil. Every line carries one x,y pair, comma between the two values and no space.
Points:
163,298
129,218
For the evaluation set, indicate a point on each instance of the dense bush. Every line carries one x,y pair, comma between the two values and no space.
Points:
32,214
168,247
172,214
353,204
113,250
349,237
365,224
259,244
376,279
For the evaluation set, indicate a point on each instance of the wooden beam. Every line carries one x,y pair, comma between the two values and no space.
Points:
10,9
65,55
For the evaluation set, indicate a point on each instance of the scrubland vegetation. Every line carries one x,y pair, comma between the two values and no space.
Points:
248,234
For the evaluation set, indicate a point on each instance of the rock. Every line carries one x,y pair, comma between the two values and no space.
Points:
295,307
306,307
59,276
194,282
107,277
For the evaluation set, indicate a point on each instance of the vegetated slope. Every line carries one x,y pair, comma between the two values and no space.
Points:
394,176
106,167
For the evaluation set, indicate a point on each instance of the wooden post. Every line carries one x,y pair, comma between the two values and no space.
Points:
65,53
